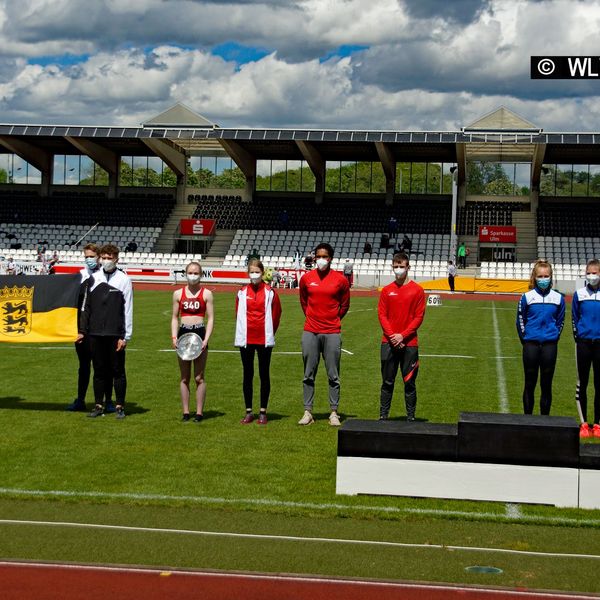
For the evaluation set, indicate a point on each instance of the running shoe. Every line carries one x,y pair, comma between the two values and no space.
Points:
262,419
186,417
76,406
334,420
584,431
120,412
247,419
198,418
596,430
307,419
97,412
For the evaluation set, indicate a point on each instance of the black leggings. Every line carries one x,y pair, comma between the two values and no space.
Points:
109,369
264,366
538,357
588,354
84,354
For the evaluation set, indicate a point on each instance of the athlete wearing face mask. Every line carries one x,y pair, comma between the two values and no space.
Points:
400,310
325,300
540,319
82,347
258,312
192,313
107,318
585,312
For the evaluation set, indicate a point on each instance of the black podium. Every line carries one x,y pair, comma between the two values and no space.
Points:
485,456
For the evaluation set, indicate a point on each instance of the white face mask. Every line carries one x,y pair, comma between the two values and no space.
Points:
593,279
399,272
255,277
322,263
192,278
109,265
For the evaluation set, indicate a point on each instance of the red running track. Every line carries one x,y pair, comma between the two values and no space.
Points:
24,581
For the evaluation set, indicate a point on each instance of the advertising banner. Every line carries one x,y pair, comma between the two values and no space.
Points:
197,226
506,234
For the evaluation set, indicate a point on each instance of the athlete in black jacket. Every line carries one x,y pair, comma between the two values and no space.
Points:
106,318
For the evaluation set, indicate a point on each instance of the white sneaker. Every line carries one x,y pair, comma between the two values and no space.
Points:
307,419
334,420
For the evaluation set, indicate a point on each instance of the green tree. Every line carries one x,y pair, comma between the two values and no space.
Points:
3,176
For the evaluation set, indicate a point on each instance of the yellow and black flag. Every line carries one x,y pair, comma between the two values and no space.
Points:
38,308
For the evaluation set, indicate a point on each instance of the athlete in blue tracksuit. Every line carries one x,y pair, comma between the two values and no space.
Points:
540,319
585,311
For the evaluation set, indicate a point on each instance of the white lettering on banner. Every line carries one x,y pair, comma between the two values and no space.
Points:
207,273
198,228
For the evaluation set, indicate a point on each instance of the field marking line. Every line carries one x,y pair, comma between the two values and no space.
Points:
513,511
347,352
359,310
434,512
502,393
299,579
493,308
297,538
294,352
447,356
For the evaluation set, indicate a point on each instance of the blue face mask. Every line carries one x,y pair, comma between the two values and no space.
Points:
543,282
91,262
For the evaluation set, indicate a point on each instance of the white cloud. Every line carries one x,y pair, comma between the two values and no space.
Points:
419,72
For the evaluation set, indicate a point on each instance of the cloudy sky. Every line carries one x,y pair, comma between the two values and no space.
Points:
378,64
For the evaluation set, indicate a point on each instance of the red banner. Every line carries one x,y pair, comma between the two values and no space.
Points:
197,226
506,234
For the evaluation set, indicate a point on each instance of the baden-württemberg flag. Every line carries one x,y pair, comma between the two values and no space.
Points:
38,308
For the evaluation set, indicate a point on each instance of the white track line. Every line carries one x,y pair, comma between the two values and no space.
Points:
447,356
513,511
300,579
502,394
348,352
433,512
297,538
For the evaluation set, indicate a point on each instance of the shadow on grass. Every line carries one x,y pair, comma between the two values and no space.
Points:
18,403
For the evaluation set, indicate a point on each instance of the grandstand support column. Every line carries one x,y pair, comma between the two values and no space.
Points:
245,162
316,162
104,158
388,162
175,158
461,178
536,175
35,156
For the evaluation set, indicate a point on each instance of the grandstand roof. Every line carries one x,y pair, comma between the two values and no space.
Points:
179,115
498,136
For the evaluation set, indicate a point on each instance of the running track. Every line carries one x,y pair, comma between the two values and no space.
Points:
224,287
41,581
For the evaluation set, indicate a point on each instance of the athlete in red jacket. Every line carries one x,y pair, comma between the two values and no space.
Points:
325,299
258,311
401,310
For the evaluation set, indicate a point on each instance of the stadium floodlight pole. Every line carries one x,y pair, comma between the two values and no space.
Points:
453,237
84,235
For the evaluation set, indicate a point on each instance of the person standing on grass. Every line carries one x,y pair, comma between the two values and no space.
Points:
400,310
451,275
91,254
540,319
258,312
192,313
325,300
585,312
107,317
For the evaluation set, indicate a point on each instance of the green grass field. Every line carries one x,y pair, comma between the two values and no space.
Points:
153,470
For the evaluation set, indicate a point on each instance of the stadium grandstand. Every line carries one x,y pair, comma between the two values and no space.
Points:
179,186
